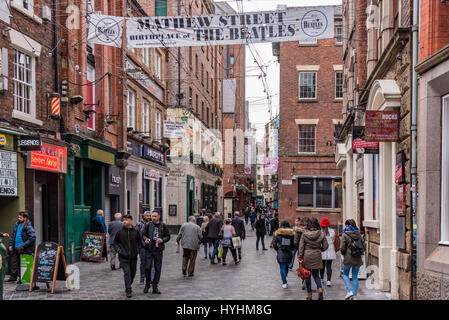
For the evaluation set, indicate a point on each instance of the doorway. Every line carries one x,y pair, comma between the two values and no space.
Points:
37,217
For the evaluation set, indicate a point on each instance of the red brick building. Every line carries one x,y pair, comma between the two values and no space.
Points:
310,107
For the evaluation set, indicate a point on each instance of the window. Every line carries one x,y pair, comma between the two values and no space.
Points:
196,65
196,104
307,85
322,193
207,81
339,85
160,8
190,57
24,93
202,110
146,56
90,97
158,65
146,117
231,60
190,97
158,125
306,140
338,35
130,108
445,172
202,74
146,191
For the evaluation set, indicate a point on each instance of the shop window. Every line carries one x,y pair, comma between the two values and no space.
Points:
445,172
319,193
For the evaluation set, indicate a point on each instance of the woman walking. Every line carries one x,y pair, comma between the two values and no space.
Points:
260,231
228,233
283,244
312,243
352,248
298,233
205,240
329,255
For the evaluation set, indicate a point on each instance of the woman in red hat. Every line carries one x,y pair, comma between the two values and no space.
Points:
330,254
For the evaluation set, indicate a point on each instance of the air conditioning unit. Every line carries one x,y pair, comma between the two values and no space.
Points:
46,13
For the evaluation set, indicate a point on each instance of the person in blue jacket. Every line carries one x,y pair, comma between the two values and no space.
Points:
98,224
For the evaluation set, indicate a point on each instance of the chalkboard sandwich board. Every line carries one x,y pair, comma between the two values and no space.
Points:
93,245
49,265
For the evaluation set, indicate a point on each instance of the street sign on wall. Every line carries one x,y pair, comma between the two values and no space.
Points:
8,173
382,126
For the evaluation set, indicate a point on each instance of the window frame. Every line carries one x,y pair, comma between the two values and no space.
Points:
145,116
90,76
146,57
444,215
314,182
341,35
158,65
336,85
158,125
307,152
129,123
315,73
31,85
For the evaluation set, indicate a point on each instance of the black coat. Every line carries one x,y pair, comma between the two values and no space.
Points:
164,234
284,252
28,238
274,224
213,228
128,242
239,227
260,227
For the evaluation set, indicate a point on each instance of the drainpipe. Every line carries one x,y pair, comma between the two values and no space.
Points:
415,29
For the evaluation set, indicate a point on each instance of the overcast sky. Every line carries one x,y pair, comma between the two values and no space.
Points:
259,110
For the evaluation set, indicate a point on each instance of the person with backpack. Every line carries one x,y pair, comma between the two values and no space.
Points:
330,254
312,243
261,231
352,249
283,244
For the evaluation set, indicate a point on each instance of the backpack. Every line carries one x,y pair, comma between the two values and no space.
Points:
286,244
356,247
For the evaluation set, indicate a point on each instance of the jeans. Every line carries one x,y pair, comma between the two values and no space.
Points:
355,280
215,252
205,244
260,237
129,267
316,276
188,259
327,264
292,263
153,260
284,272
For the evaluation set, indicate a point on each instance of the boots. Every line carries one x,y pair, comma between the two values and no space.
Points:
309,296
320,293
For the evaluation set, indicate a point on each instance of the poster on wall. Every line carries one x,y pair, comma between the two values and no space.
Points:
359,143
8,174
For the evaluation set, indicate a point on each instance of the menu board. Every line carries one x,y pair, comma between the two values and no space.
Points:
8,173
92,248
45,261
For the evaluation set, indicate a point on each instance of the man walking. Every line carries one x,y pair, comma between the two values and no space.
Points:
240,231
140,226
261,232
98,224
190,236
22,241
114,227
253,217
155,235
213,230
246,212
127,242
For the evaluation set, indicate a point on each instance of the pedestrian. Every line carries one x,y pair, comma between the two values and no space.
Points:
205,241
213,231
283,244
295,249
113,228
142,252
352,249
253,217
190,236
98,224
155,235
260,232
228,233
239,227
274,224
298,233
312,243
127,243
22,241
246,212
330,254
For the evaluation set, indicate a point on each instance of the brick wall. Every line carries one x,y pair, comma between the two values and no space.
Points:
434,27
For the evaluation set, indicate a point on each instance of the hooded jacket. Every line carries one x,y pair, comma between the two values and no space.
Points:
346,248
28,237
312,243
283,244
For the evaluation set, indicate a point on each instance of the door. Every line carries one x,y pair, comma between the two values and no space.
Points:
190,196
37,219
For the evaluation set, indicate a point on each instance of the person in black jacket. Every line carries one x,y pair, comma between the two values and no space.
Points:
127,243
155,235
283,244
240,231
274,224
213,230
260,231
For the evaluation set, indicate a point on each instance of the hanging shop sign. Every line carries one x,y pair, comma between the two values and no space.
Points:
400,200
359,143
115,181
400,167
382,126
8,174
151,174
48,158
137,74
270,165
292,24
174,129
27,143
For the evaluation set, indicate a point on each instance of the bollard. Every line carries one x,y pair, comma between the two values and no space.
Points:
3,267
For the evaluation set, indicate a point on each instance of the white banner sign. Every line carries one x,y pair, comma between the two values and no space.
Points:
174,129
292,24
8,173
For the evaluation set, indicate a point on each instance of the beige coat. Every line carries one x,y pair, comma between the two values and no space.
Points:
312,243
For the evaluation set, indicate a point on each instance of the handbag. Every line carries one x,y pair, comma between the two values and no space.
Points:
220,251
236,242
302,272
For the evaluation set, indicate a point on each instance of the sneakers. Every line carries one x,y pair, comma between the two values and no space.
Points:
349,295
329,284
354,298
284,286
213,262
237,261
205,257
156,290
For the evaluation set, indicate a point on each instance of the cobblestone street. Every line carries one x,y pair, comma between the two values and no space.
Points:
257,277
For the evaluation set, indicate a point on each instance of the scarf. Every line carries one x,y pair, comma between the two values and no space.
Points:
350,228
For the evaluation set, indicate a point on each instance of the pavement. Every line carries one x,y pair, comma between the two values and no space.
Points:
257,277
